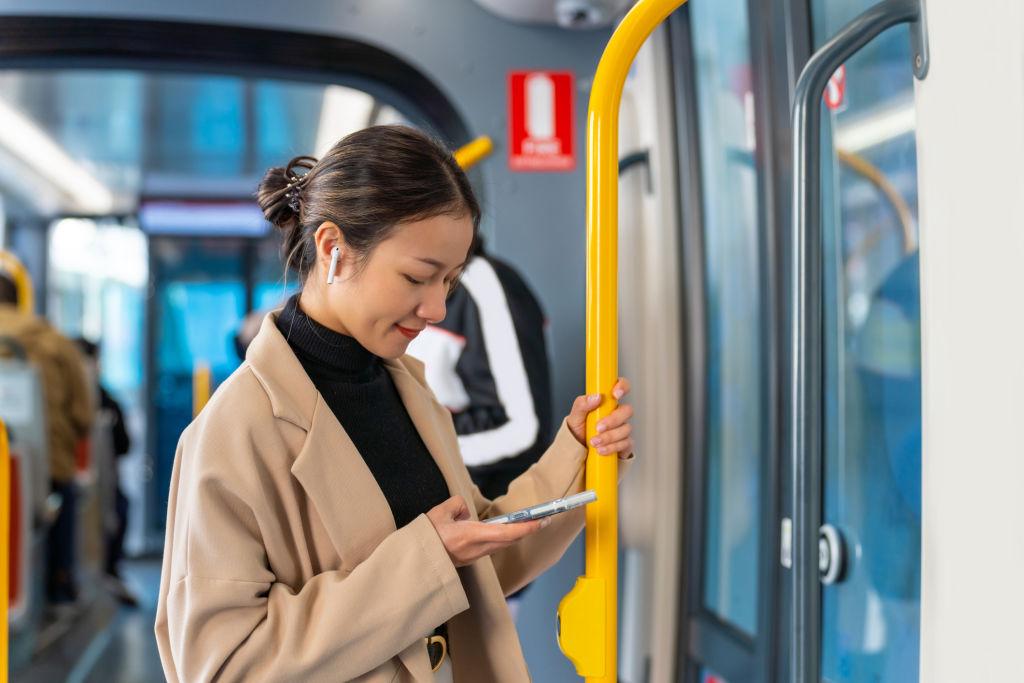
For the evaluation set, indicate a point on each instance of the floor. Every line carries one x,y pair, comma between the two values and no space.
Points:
101,641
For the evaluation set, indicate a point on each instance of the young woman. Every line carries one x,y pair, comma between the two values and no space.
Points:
321,524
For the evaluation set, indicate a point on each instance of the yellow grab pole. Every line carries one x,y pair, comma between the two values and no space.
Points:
472,152
200,387
5,546
588,615
18,273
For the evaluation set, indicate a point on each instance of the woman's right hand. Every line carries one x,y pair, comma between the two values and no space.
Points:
467,541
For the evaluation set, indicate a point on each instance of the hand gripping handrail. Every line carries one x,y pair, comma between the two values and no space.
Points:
807,334
588,615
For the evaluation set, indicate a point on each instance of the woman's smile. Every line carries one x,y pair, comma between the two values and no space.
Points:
407,332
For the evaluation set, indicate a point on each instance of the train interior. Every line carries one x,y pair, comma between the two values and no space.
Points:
132,141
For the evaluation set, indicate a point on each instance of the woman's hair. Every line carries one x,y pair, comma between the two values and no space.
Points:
367,184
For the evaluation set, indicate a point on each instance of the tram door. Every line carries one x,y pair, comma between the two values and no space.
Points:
736,605
870,625
199,300
727,590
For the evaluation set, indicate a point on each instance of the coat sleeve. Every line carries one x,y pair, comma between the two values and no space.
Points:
224,616
560,472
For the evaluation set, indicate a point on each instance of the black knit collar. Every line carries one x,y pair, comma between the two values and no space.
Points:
329,350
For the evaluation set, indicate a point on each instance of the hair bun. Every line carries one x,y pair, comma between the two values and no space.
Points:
279,193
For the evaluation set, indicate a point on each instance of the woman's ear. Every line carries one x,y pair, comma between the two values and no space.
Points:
330,249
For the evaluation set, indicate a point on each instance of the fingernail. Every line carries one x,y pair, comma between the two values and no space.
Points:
595,441
594,397
603,451
544,522
617,393
601,427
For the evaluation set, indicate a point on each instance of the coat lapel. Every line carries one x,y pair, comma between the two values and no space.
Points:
432,425
351,505
333,474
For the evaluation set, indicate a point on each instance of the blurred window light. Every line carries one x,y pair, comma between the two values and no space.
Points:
199,218
36,150
343,111
881,125
94,250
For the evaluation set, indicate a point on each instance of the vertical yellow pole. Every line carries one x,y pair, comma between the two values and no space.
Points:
5,547
200,387
588,615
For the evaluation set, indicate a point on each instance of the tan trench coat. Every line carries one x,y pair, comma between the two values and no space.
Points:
282,561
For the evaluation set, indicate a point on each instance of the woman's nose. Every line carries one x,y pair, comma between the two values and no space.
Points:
433,308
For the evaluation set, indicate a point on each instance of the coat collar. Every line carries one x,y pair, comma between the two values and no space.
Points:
328,466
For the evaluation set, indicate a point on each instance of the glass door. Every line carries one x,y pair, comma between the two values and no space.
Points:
199,298
727,589
872,361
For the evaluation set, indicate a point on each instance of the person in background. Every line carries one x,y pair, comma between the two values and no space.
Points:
487,362
115,439
69,415
247,331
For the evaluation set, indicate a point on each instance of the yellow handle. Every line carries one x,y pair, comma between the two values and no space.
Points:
18,273
200,387
471,153
588,616
5,546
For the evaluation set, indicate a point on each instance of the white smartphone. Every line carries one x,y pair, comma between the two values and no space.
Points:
552,507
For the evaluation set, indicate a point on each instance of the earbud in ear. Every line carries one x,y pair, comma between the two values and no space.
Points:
335,252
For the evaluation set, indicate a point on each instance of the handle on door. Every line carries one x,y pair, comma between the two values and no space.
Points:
831,555
807,334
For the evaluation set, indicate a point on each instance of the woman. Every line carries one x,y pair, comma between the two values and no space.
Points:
321,525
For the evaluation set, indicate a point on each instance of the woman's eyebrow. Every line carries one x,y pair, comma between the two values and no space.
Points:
430,262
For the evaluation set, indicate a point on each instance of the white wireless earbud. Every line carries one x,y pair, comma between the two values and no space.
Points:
335,252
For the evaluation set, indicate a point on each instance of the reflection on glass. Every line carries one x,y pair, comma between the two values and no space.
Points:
735,421
871,619
709,676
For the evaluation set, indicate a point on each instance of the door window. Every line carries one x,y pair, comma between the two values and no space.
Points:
872,467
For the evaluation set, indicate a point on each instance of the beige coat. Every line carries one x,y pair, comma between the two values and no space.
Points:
282,561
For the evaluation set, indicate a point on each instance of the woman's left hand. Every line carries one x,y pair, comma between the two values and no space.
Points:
614,433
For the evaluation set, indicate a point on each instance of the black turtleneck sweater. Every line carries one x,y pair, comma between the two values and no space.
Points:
361,394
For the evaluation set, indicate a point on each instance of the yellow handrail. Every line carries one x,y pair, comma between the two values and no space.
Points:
18,273
5,546
588,615
472,152
876,177
200,387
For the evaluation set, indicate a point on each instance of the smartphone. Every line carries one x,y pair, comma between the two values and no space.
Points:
552,507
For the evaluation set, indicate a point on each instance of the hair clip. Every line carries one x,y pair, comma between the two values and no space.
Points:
293,199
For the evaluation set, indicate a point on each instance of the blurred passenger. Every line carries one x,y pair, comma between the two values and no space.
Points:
247,331
68,418
487,362
321,523
108,447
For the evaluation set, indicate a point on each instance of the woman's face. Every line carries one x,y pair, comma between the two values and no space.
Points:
401,286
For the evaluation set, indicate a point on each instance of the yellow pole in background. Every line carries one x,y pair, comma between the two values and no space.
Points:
472,152
200,386
588,615
5,547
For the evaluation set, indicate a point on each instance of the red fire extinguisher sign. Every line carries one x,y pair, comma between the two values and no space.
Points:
540,121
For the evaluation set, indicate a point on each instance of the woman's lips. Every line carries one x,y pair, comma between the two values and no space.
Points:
407,332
